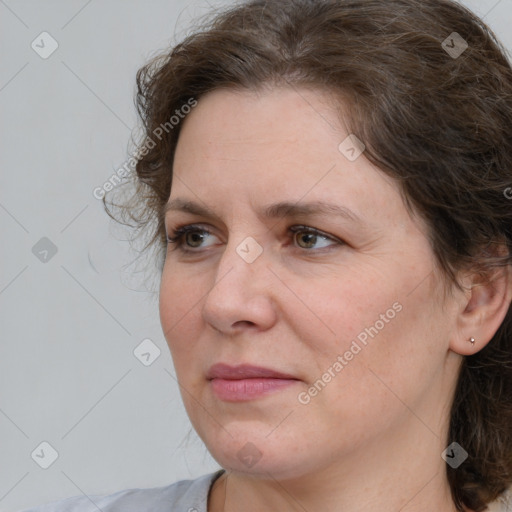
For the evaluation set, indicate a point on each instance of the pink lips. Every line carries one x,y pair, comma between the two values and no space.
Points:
246,382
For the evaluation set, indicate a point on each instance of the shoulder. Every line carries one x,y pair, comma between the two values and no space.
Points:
185,495
503,503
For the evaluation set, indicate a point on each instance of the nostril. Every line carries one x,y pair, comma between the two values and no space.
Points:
243,323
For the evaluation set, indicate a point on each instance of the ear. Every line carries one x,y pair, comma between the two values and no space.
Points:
485,303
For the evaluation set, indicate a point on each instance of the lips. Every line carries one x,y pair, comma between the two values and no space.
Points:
244,371
245,382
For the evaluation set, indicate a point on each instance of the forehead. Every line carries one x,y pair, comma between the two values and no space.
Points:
276,145
243,121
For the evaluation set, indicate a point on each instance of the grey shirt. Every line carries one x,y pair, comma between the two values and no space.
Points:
182,496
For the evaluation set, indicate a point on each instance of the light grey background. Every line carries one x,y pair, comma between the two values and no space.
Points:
68,374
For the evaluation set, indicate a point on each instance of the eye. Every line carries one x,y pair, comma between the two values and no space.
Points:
191,238
188,236
308,238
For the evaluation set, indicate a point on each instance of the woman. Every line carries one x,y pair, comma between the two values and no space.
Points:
336,256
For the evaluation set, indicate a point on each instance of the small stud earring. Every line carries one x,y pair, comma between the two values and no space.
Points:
472,341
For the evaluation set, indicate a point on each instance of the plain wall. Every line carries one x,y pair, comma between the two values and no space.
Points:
70,324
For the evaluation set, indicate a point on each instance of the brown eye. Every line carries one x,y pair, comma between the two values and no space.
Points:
309,238
194,238
189,238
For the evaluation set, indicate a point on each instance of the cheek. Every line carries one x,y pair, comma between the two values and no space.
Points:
340,308
377,325
366,389
179,299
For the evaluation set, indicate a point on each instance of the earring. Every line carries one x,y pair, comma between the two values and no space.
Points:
472,341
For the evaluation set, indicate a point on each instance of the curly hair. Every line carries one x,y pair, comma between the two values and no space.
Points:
428,87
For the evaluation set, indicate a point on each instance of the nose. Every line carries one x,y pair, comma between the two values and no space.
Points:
241,296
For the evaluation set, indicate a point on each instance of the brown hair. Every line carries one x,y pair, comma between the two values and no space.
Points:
439,124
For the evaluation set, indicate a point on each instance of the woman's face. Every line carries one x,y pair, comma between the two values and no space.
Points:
354,314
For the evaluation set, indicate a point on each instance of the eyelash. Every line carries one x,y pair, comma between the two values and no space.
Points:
180,232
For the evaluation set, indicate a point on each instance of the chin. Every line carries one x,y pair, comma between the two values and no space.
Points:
252,453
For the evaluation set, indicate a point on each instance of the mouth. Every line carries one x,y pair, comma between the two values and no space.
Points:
246,382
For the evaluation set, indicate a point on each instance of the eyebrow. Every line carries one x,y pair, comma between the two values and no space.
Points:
281,209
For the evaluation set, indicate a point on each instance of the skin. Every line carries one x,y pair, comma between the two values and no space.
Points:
373,437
